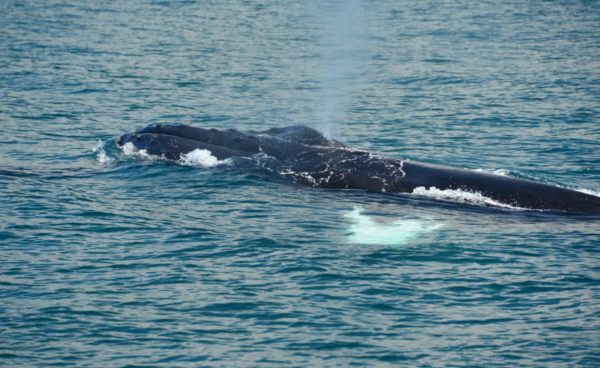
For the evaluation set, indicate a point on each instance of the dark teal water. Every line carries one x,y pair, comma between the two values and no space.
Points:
109,260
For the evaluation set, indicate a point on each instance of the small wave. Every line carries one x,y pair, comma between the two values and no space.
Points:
587,191
196,158
101,155
499,172
530,177
365,230
461,196
515,174
202,158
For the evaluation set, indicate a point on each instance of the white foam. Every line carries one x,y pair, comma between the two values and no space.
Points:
537,179
461,196
101,155
588,191
202,158
197,157
129,149
499,172
365,230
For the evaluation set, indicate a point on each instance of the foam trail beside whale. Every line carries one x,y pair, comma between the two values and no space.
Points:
461,196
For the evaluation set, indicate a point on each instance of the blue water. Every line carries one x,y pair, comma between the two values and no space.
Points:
108,260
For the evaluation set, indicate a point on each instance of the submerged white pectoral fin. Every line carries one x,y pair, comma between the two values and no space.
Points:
365,230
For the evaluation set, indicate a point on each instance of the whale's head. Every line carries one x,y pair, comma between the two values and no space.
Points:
172,141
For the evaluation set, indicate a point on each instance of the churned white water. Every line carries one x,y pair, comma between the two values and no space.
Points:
502,172
499,172
461,196
197,157
200,157
130,150
101,155
588,191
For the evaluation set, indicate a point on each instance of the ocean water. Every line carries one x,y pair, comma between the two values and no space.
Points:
116,260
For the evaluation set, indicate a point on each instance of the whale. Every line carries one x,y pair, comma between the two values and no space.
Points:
303,155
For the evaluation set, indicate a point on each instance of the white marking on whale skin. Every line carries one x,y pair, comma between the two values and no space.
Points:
201,158
461,196
365,230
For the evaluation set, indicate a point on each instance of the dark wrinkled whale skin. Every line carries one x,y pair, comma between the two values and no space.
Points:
303,155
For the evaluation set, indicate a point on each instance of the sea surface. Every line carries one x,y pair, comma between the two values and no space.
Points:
116,260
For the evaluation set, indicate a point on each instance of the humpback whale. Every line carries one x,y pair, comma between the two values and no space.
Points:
303,155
